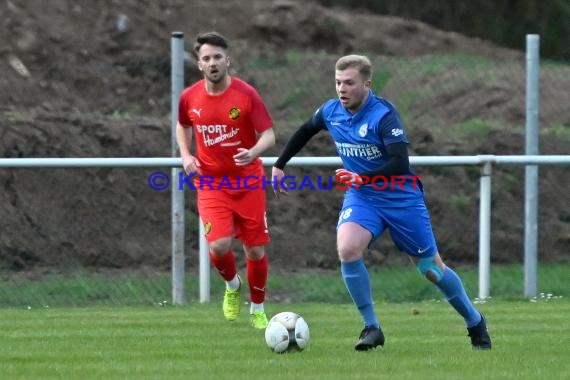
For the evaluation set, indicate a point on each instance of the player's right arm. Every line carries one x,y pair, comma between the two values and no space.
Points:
296,142
184,139
190,163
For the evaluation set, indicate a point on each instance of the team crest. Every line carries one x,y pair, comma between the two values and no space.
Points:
234,113
363,130
208,227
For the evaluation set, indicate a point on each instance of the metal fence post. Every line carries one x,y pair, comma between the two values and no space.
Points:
204,270
177,85
531,171
485,229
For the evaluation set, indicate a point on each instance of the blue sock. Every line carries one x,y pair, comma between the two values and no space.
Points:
355,276
451,286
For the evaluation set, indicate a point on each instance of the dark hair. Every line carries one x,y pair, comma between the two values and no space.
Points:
210,38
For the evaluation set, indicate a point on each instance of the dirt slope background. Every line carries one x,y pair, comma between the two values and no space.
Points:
92,79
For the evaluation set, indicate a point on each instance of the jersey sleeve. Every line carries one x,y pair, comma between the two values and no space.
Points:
183,117
260,117
317,121
391,129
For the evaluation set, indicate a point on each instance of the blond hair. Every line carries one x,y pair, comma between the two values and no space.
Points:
360,62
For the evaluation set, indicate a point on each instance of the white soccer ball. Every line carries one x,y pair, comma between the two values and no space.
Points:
287,331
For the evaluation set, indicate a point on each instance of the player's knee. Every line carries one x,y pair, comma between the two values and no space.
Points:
349,253
429,268
255,252
221,246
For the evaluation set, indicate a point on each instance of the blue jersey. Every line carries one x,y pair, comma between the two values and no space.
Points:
361,141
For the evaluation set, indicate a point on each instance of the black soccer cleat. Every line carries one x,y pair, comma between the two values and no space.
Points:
370,338
480,339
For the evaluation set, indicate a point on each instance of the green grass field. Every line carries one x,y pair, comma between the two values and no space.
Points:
425,340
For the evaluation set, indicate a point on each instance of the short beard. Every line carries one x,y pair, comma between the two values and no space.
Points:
215,80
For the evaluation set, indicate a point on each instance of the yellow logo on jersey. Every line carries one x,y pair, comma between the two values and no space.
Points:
234,113
208,227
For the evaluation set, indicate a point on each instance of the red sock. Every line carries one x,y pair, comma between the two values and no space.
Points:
257,278
225,264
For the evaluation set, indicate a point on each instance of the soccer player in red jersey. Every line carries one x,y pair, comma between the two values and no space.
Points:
232,127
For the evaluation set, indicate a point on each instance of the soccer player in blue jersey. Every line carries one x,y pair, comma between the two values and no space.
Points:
384,194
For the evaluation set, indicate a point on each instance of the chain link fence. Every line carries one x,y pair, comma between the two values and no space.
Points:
102,236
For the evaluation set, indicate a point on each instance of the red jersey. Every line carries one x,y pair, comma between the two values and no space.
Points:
223,123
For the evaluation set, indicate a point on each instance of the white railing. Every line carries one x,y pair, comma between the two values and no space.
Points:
486,163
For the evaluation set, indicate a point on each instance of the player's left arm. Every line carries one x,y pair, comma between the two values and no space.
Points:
398,162
265,140
263,123
396,143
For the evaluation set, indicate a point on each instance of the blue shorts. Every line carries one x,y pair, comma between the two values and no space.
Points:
409,225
